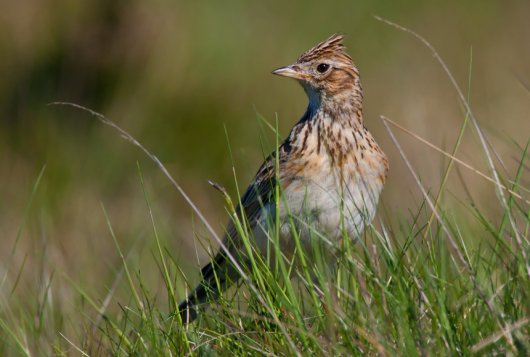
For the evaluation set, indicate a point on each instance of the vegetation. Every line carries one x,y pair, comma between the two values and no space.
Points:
447,273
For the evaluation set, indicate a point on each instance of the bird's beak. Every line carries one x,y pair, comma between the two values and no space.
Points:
292,71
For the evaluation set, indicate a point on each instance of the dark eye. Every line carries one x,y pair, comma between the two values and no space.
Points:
323,67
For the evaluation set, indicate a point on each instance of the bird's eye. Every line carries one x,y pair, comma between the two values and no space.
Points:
322,68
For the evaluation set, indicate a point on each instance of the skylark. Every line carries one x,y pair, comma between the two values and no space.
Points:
331,171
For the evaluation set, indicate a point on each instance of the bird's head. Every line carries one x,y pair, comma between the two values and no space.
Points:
327,73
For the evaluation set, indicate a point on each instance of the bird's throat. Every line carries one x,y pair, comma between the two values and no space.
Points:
344,107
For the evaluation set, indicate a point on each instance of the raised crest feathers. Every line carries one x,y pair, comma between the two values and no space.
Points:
333,46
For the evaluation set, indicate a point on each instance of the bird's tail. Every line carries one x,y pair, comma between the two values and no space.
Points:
216,277
188,308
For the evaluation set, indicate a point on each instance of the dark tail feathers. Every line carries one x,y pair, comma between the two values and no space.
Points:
206,290
188,308
216,277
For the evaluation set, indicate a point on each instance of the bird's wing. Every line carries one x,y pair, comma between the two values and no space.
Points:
259,193
220,272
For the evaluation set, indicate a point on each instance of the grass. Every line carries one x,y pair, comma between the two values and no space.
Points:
421,283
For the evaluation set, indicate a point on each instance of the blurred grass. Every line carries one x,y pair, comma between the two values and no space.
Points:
175,74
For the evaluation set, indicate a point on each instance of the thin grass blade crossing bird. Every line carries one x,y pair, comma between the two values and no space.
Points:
331,170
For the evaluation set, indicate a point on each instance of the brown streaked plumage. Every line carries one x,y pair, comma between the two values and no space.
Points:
331,170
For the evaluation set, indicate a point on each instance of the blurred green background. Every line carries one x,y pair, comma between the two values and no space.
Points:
176,74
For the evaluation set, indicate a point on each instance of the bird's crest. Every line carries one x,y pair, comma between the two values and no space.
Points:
333,46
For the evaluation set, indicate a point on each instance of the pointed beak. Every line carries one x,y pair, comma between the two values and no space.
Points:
291,71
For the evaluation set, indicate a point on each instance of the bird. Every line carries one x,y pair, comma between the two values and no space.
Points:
329,169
